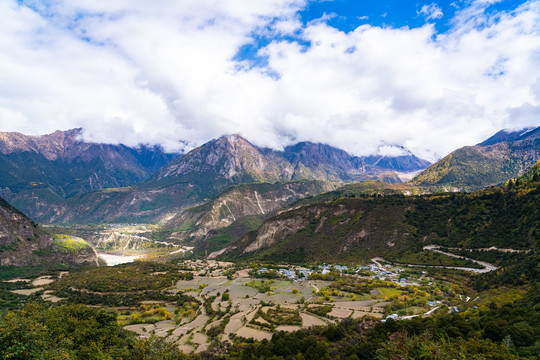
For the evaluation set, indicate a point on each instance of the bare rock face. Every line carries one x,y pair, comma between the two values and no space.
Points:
272,232
238,202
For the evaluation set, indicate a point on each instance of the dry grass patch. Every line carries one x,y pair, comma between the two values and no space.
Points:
248,332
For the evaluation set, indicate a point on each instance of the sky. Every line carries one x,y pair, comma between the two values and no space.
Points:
369,77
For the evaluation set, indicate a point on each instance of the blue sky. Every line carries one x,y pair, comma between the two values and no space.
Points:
349,14
365,76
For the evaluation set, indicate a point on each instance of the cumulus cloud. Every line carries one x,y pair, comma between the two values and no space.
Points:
168,73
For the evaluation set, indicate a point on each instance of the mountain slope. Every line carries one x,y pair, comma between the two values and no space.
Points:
199,225
533,174
480,166
60,165
369,188
352,229
319,161
322,161
23,242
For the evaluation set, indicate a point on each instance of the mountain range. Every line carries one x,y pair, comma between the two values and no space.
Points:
521,149
62,164
230,191
53,178
59,178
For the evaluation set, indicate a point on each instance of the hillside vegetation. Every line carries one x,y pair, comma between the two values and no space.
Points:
357,228
236,211
23,243
481,166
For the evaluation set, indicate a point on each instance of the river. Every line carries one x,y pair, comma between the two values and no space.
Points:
112,260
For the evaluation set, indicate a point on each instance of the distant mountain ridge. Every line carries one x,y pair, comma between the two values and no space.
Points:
64,165
234,159
503,156
193,178
507,135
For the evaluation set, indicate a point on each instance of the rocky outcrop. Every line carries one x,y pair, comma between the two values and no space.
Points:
84,255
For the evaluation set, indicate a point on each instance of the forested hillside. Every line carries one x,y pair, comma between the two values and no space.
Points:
487,164
362,227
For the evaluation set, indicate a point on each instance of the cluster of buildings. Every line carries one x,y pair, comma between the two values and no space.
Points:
290,273
389,273
376,271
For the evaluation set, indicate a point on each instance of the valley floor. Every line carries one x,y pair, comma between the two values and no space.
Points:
227,301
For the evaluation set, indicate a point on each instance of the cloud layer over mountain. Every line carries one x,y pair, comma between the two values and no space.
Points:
139,71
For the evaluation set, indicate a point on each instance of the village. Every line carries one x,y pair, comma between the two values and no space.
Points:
373,271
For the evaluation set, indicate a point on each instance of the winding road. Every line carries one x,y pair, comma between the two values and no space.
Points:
487,266
436,248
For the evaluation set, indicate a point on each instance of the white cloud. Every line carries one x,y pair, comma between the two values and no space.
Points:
134,71
431,11
388,150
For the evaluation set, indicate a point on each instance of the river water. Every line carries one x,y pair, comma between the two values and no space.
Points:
112,260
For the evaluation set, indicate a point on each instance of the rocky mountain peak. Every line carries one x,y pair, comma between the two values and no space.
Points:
509,135
317,155
234,145
51,146
227,157
233,140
